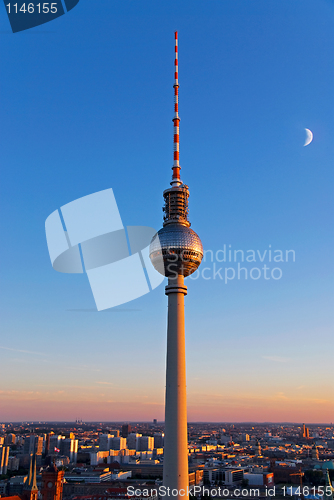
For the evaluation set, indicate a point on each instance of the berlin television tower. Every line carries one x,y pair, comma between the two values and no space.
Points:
181,250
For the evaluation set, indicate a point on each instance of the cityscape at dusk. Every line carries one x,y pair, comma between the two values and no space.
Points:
184,347
113,459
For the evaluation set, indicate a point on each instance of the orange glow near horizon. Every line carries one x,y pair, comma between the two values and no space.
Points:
94,403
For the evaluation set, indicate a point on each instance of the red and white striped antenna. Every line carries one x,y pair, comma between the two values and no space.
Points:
176,181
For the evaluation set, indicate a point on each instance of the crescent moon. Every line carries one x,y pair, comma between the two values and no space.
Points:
309,137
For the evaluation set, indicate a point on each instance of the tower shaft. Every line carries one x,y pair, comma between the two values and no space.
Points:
175,470
180,250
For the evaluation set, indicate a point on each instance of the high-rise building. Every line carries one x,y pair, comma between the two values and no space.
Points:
176,251
159,439
145,443
33,445
132,440
69,448
4,454
118,443
114,432
10,439
47,441
13,463
105,442
126,429
54,444
305,432
52,483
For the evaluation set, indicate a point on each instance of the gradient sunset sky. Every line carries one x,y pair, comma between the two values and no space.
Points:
87,104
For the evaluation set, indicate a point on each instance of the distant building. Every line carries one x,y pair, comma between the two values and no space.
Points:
54,444
286,473
16,485
105,442
315,453
305,432
266,479
33,445
213,475
10,439
13,463
132,440
24,460
224,439
234,476
69,448
97,477
145,443
47,441
159,439
126,429
157,452
99,457
3,488
118,443
64,446
120,456
4,454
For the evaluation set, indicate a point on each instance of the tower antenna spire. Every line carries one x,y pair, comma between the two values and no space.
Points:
176,181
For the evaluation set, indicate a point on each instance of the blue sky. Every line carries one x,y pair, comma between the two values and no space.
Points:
87,102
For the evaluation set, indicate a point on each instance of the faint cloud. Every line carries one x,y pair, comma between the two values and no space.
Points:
104,383
318,401
106,310
22,350
281,395
276,359
152,403
49,386
84,368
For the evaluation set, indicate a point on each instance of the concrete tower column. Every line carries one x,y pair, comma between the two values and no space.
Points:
175,470
180,250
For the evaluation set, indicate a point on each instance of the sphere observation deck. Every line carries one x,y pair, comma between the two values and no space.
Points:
180,248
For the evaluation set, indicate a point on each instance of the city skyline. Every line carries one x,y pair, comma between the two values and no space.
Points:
252,80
